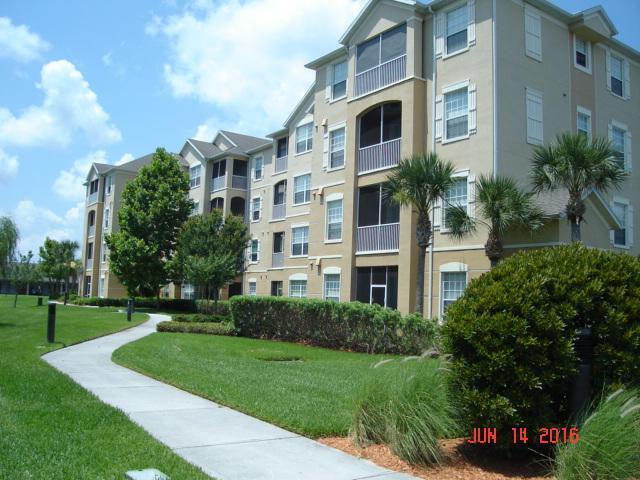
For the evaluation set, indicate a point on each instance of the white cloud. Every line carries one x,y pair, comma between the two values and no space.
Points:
8,167
107,59
19,43
69,106
127,157
68,184
256,77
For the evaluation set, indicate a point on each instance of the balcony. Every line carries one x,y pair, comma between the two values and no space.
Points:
277,260
281,164
92,231
239,182
378,238
92,198
279,211
217,183
89,264
380,156
378,77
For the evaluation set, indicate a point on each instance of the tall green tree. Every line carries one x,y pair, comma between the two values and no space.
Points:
502,207
154,207
418,182
577,165
210,251
8,241
22,272
57,261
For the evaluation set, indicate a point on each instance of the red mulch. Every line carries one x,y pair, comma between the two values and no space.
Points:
460,462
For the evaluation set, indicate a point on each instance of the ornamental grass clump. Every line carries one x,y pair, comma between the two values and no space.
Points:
409,410
609,444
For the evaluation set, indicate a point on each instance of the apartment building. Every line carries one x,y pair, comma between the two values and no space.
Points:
479,82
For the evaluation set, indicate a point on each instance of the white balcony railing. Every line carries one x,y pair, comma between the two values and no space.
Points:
238,181
377,77
92,230
89,263
217,183
379,156
93,198
281,164
279,211
277,260
378,238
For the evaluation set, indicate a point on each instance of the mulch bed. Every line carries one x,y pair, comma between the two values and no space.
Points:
461,462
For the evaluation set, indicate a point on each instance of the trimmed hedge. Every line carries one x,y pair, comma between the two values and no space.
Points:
200,318
511,334
352,326
176,304
209,307
208,328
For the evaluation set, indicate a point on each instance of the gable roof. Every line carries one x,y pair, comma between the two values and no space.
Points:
307,99
245,142
206,149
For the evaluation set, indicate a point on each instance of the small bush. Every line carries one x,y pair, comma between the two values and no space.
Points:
175,304
200,318
208,328
353,326
609,444
209,307
410,410
512,333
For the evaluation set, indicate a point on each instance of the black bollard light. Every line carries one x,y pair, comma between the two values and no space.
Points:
581,388
66,297
129,309
39,301
51,323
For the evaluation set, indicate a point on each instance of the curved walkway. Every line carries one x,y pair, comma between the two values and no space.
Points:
224,443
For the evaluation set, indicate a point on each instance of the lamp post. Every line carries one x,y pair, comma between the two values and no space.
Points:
72,266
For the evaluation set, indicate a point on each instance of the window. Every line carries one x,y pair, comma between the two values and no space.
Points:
101,287
381,124
87,286
618,142
106,218
256,209
533,33
534,117
377,285
92,218
304,138
616,67
299,241
258,168
336,148
457,195
582,52
276,288
338,80
278,242
280,193
217,204
219,169
93,187
194,176
452,286
381,49
253,289
104,251
255,250
196,208
457,22
109,183
332,287
623,237
376,208
188,291
90,251
302,189
298,288
584,122
282,148
334,220
456,119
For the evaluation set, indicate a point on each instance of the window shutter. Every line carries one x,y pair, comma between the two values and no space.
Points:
471,196
325,151
437,213
627,80
608,68
260,209
258,250
439,43
628,162
630,226
327,89
471,29
438,115
533,33
472,108
612,232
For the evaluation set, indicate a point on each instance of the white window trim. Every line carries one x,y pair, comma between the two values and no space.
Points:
471,107
588,68
626,72
306,286
585,111
440,43
628,223
324,282
452,267
252,281
298,276
333,128
470,201
536,15
252,210
251,261
628,155
293,227
199,177
332,198
331,68
295,132
253,170
293,189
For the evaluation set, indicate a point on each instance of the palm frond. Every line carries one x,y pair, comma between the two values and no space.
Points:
459,222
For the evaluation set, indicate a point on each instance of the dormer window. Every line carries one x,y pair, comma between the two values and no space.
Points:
304,138
338,80
582,52
617,75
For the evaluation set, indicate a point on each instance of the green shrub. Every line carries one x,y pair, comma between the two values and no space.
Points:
511,334
209,307
609,444
208,328
176,304
200,318
353,326
410,410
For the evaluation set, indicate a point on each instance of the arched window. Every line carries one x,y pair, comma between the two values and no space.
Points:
280,193
381,124
217,204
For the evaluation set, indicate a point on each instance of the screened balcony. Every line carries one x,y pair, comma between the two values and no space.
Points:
282,149
239,177
380,138
378,221
219,176
279,200
277,256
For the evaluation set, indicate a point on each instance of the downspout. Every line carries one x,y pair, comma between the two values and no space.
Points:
495,89
433,149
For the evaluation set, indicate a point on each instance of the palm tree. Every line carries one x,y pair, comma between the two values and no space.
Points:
418,182
577,165
503,206
8,240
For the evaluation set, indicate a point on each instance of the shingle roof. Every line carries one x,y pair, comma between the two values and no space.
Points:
207,149
553,203
245,142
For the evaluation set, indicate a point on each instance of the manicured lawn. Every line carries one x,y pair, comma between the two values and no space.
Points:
51,428
313,393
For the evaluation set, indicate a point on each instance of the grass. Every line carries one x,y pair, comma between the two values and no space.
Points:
51,428
308,390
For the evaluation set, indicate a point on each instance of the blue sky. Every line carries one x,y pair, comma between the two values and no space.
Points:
84,81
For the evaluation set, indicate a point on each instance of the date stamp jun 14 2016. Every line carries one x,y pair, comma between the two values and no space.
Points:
522,435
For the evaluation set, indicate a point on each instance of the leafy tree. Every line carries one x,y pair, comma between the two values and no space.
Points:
154,207
21,273
57,261
577,165
8,240
418,182
210,251
503,206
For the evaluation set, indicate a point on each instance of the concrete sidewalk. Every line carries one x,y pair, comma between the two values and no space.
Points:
226,444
